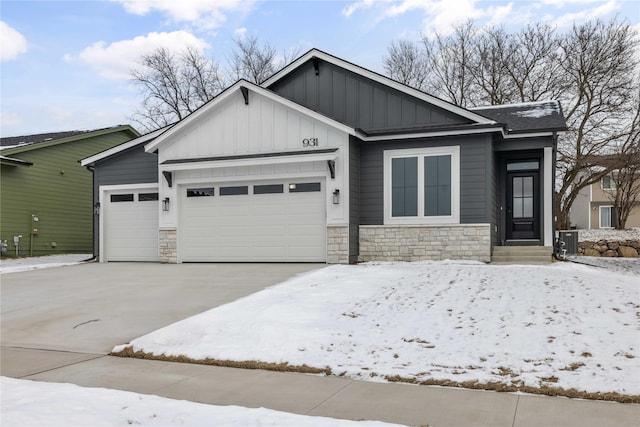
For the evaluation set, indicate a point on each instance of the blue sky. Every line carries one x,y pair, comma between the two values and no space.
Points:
64,64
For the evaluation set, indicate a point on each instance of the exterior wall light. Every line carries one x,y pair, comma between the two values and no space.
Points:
336,196
165,204
96,208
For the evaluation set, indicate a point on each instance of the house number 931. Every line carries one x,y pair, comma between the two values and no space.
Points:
310,142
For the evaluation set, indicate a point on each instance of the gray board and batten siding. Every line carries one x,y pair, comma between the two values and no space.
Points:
359,102
476,176
132,166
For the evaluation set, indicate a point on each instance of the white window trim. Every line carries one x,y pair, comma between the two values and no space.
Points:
454,218
600,215
612,183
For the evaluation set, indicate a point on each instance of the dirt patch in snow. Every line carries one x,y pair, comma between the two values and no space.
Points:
515,385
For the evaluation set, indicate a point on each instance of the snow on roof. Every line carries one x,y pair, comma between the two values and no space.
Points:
526,116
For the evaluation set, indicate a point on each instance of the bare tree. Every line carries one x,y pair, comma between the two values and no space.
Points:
173,85
449,59
598,60
626,175
255,62
407,64
590,70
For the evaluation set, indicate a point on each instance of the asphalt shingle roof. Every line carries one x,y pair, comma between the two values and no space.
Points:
526,117
41,137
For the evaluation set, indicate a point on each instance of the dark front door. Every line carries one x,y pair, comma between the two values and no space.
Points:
523,218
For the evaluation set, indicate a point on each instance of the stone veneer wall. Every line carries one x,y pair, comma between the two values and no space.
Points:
418,243
168,245
338,245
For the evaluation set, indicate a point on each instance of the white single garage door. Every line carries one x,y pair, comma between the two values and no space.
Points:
276,221
130,227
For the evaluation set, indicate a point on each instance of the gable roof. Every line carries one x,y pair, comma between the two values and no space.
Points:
526,117
239,86
315,53
20,144
146,138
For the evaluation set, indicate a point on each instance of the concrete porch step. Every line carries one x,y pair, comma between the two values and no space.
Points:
533,255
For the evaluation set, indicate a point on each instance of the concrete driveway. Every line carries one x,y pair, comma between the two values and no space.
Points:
90,308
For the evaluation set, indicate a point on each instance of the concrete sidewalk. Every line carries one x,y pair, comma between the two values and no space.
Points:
314,395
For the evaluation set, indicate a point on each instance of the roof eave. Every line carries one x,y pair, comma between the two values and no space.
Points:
75,138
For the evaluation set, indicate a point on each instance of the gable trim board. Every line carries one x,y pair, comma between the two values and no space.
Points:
254,138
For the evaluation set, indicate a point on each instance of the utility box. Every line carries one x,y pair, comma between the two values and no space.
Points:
570,239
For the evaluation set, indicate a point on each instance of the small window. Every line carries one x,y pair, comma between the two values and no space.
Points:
234,191
268,189
531,165
404,184
608,183
305,187
121,198
147,197
200,192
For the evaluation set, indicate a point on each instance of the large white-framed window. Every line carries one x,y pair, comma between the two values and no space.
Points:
606,217
422,186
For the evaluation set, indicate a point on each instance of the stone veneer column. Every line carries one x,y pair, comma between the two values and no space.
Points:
168,246
418,243
338,244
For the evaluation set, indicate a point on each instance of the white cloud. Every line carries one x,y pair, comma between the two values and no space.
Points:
568,19
12,43
240,33
361,4
114,61
204,13
439,15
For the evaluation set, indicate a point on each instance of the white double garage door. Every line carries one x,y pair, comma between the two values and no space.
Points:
264,221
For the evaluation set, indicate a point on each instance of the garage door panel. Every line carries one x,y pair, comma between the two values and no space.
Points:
267,227
130,228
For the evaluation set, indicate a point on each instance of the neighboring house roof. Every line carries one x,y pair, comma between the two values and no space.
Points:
315,53
144,139
12,141
20,144
526,117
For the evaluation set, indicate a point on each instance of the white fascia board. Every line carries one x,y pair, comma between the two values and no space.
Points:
252,87
526,135
380,79
258,161
122,147
430,134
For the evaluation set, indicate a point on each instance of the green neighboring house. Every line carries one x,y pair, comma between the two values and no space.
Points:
46,196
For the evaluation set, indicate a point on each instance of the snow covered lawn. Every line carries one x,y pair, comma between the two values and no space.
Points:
533,328
16,265
29,403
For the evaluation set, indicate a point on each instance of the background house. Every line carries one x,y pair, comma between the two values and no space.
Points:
46,195
594,208
329,162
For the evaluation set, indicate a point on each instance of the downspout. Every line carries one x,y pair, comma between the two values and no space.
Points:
556,246
93,217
